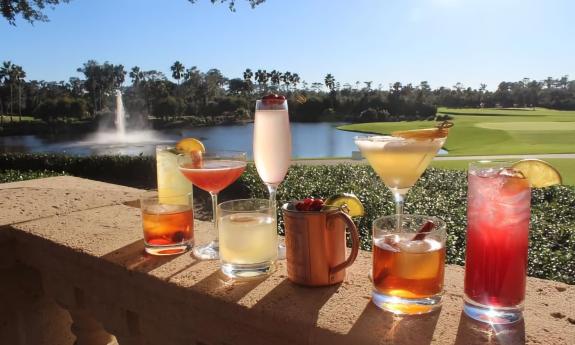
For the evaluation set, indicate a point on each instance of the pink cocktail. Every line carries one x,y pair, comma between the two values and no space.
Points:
498,213
212,172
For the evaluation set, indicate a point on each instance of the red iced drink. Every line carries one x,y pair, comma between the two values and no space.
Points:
498,214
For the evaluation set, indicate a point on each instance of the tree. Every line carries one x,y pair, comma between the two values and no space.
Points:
330,82
177,71
232,3
7,73
248,84
262,78
136,75
30,10
19,75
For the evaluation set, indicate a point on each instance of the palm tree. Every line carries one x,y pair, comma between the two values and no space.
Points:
136,75
7,72
19,76
177,71
248,84
330,82
261,77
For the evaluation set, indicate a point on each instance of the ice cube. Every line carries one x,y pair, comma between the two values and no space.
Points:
414,246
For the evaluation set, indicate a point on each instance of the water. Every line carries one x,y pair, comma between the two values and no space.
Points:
309,140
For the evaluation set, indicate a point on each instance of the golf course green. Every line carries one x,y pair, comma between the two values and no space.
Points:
498,131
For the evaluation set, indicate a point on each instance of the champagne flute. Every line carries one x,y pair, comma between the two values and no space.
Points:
272,143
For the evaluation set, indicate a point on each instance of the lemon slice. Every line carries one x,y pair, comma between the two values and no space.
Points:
189,145
441,131
349,202
538,172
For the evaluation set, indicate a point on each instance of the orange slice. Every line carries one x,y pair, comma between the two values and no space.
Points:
189,145
440,131
194,148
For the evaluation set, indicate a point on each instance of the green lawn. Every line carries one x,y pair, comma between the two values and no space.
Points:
496,131
6,118
565,166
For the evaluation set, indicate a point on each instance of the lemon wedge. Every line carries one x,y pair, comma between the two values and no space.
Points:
538,172
348,202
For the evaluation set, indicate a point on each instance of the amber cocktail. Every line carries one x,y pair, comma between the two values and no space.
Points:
168,223
408,263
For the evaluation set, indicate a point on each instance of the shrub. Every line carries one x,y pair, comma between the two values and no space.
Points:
19,175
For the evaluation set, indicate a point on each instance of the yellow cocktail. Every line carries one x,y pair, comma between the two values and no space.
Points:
401,158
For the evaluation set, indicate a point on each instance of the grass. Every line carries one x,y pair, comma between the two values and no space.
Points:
15,118
565,166
496,131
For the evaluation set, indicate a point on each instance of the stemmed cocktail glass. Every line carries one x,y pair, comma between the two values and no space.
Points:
212,171
272,141
400,159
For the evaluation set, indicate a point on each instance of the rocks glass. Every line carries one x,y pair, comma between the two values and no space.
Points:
408,263
168,222
248,237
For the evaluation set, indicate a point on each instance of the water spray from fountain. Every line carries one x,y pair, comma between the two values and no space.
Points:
120,116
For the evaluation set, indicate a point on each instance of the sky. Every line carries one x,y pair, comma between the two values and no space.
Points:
383,41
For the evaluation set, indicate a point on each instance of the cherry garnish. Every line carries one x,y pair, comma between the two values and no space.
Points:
273,98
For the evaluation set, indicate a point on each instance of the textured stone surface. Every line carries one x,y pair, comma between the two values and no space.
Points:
91,256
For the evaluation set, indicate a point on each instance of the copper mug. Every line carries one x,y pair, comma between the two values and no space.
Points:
315,245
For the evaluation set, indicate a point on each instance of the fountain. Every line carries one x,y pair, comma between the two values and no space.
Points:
120,116
121,140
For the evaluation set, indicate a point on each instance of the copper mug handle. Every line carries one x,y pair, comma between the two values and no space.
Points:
354,241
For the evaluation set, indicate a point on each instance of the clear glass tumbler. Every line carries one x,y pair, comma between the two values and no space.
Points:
168,222
248,237
498,212
408,263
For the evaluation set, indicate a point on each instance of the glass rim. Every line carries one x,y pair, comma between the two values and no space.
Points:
329,208
440,225
382,138
151,194
226,205
216,152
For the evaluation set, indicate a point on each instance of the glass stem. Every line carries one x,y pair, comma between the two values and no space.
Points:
399,201
215,215
273,189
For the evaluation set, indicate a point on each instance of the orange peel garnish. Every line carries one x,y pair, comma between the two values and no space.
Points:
440,131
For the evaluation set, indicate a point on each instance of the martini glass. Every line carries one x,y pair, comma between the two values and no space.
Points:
212,171
401,158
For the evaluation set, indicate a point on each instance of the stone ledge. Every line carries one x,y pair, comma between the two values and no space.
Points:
90,256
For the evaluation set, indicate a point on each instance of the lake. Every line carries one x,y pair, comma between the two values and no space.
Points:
309,140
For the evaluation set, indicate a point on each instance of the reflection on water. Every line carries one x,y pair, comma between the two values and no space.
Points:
309,140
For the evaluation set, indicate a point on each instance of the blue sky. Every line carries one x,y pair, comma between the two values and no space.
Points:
441,41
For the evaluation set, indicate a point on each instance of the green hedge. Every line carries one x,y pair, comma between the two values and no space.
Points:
438,192
19,175
442,193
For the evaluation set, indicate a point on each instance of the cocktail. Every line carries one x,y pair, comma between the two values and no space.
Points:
498,213
272,143
248,237
408,263
168,222
212,172
400,159
170,181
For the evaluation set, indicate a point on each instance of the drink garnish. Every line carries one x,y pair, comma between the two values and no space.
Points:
423,231
440,131
273,98
194,148
539,173
309,204
347,202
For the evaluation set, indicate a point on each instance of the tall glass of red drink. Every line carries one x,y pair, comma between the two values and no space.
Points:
498,213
